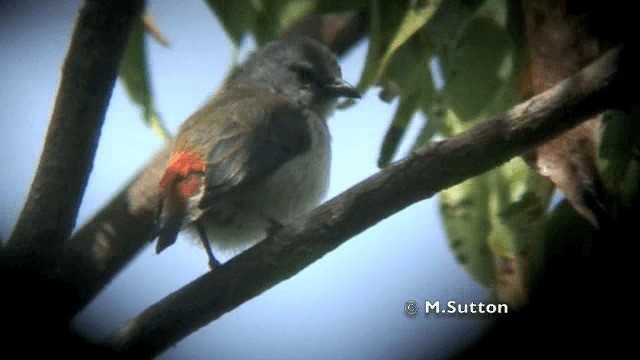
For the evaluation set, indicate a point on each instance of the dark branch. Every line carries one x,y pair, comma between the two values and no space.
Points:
119,230
88,75
429,170
116,233
37,299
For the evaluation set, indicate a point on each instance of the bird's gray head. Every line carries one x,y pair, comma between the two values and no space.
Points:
302,69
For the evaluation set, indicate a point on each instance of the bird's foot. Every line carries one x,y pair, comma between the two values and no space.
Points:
273,227
213,262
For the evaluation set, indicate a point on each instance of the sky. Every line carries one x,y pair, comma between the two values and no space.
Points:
348,304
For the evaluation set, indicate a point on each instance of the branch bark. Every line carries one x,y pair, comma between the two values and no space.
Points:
429,170
88,75
37,300
119,230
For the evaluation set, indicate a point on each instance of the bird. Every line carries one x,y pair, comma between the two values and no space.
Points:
257,155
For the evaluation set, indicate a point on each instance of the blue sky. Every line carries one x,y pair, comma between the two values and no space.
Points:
349,304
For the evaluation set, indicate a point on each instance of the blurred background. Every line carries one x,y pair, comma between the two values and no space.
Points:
349,304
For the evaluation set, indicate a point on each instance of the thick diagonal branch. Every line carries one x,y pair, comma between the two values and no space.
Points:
429,170
88,75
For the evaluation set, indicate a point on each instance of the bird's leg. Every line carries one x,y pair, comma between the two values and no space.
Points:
213,262
273,227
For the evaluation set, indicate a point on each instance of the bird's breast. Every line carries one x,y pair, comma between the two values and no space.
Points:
241,220
300,184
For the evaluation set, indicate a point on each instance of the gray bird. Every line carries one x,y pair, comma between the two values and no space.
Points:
257,155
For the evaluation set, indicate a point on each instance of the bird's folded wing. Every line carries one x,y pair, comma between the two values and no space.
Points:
254,133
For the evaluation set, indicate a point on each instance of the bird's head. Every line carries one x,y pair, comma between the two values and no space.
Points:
302,69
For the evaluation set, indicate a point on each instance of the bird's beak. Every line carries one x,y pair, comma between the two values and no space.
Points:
340,87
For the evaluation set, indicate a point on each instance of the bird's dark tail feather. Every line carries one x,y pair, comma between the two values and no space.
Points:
168,233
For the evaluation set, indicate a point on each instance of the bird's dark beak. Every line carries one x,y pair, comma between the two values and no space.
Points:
340,87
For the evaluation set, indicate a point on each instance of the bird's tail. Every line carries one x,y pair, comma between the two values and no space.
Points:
169,227
181,188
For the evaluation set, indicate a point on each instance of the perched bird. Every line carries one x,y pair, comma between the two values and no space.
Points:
257,155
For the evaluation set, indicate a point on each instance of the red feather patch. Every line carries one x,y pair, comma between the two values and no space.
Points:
180,180
180,166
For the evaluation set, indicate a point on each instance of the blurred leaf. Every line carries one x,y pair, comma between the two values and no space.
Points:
409,68
631,186
278,15
615,148
481,81
375,46
414,19
434,112
464,212
495,10
518,201
449,22
374,51
152,28
238,17
134,73
395,132
409,73
511,281
475,68
332,6
564,228
630,191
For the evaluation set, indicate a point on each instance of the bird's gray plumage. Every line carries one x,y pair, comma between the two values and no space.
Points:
265,142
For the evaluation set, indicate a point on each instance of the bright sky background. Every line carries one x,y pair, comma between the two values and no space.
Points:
349,304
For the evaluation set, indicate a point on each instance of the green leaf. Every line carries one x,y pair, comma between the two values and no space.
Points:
332,6
505,210
278,15
616,148
481,76
414,19
238,17
631,185
518,201
409,68
152,29
495,10
409,75
565,231
449,22
375,44
475,69
432,106
434,115
397,129
463,208
134,74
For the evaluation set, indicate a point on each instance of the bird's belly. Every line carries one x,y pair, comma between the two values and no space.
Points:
239,221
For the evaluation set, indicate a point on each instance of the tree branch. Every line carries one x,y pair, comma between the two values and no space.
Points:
119,230
88,75
429,170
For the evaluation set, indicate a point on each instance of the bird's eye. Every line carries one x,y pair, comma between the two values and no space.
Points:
305,73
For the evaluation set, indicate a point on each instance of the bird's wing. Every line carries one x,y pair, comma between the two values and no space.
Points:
257,131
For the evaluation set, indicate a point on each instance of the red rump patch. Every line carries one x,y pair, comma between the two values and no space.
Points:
181,165
189,186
